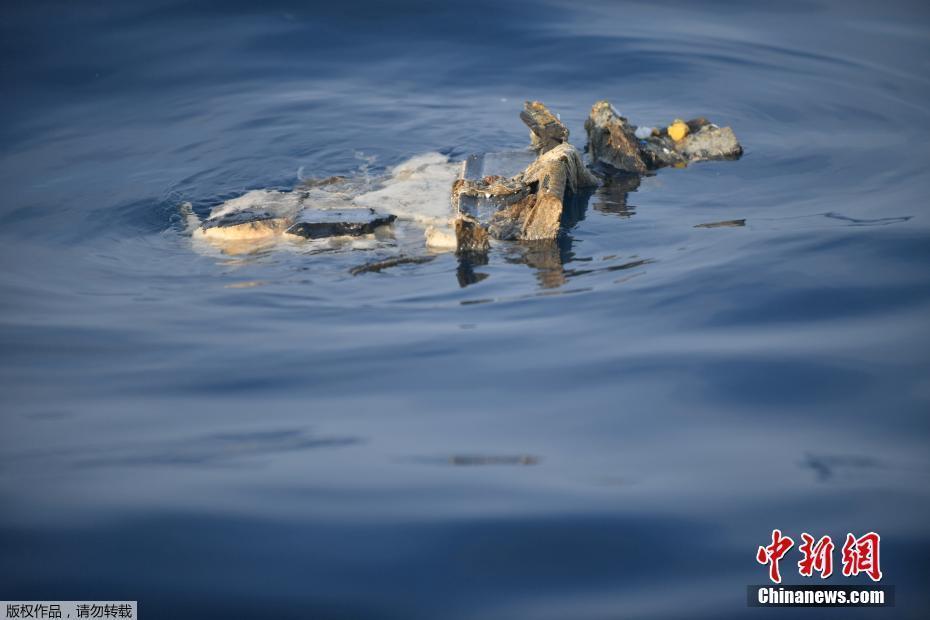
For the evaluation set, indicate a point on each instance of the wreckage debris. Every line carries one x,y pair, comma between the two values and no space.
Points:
546,130
471,237
677,130
254,216
528,205
314,224
618,146
320,223
258,217
711,142
658,151
723,224
471,460
705,142
555,173
524,196
612,141
525,207
245,225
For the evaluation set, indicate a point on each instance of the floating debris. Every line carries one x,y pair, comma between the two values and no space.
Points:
614,145
320,223
524,196
255,215
711,142
472,460
546,130
677,130
381,265
527,206
440,238
262,214
348,212
612,141
246,284
471,237
723,224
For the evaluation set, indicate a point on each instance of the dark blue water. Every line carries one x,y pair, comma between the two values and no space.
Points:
606,430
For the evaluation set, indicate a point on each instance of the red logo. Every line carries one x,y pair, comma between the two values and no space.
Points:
860,555
773,553
817,557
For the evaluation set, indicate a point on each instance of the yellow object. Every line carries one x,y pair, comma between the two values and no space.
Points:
677,130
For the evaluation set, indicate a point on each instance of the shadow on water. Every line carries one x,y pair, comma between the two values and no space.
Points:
613,195
465,272
879,221
223,449
474,460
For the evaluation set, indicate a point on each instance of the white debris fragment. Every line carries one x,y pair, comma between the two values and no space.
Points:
440,238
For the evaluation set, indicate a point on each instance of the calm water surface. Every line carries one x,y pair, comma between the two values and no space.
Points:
605,429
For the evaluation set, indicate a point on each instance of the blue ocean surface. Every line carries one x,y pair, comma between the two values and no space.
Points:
609,429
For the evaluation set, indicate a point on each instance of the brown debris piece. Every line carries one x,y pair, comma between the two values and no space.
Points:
546,130
723,224
612,141
554,173
469,459
326,223
660,151
507,223
529,205
705,141
503,191
695,124
471,237
333,180
711,142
